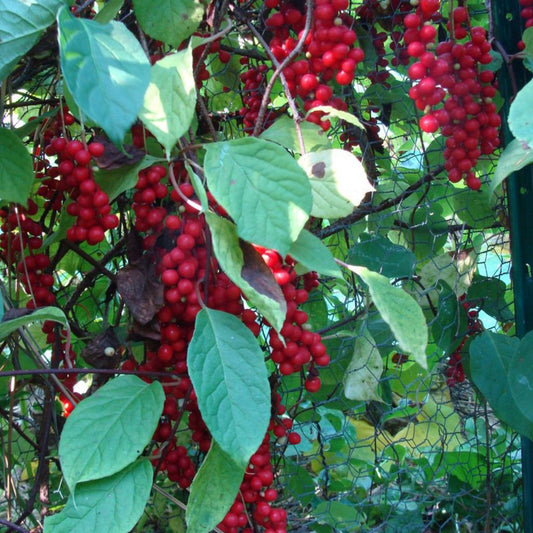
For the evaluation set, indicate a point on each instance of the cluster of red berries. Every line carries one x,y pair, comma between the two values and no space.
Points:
454,366
328,55
450,74
254,81
176,235
73,174
302,348
527,14
20,239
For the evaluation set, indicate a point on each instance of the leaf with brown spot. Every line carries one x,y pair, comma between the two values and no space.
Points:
319,169
338,181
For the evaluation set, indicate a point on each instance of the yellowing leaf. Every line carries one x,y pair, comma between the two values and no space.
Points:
364,371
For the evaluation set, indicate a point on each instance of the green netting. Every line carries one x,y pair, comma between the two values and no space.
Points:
412,449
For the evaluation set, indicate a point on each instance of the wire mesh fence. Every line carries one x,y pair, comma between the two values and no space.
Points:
387,445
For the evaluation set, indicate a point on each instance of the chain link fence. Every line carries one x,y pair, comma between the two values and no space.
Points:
387,445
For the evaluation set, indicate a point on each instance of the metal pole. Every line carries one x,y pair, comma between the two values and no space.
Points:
508,29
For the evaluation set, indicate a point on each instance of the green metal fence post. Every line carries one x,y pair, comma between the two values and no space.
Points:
508,28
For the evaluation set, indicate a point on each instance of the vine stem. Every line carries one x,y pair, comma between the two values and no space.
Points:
278,73
188,201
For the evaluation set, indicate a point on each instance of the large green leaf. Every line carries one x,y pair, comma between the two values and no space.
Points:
105,69
170,21
520,373
229,376
170,101
450,324
16,169
21,24
379,254
246,268
313,254
213,490
112,504
520,118
44,313
492,358
109,430
338,180
262,188
516,155
400,311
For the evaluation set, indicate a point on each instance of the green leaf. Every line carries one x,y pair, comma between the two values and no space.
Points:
170,100
170,21
492,358
109,11
516,155
198,187
262,188
489,294
313,254
213,490
112,504
229,376
527,38
400,311
283,132
474,207
109,430
118,180
468,466
520,118
16,169
44,313
331,112
520,374
450,324
105,69
21,24
361,380
246,268
338,180
379,254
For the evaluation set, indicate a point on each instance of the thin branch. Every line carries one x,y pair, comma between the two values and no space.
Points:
363,211
278,73
13,527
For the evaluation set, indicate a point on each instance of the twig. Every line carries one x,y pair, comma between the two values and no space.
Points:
276,63
174,500
278,73
105,371
13,527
